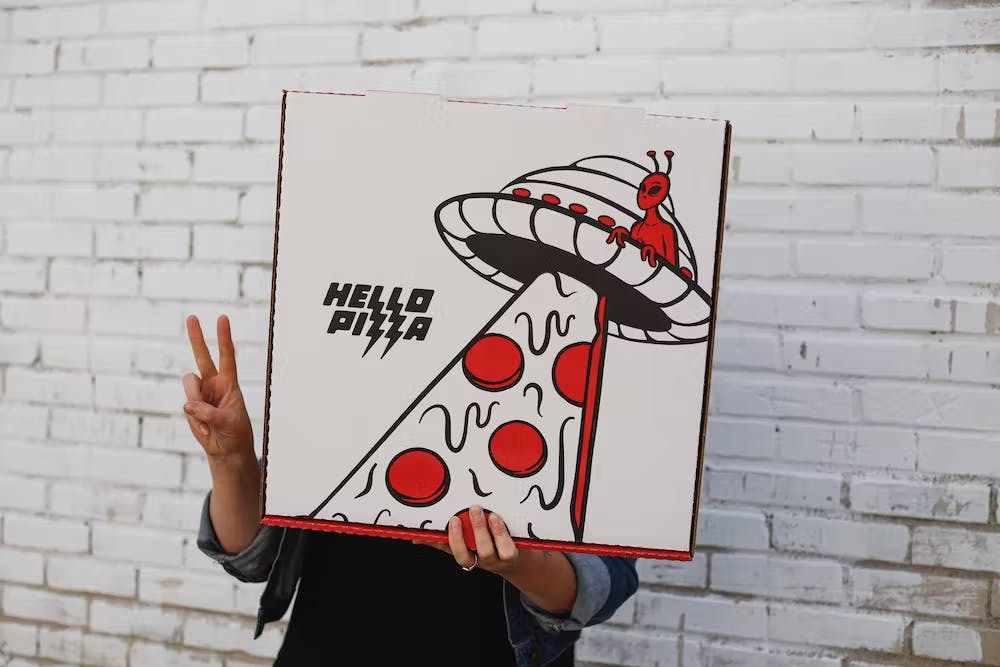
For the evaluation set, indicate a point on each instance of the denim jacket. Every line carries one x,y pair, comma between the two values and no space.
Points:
276,556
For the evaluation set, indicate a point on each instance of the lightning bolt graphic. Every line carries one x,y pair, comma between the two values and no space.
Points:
397,321
375,331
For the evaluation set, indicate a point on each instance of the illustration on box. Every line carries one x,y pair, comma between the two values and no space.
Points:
589,250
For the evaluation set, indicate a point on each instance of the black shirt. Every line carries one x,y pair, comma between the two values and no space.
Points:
387,601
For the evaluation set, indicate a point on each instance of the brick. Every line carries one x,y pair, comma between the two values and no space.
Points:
864,72
257,206
134,619
948,502
831,627
587,76
105,651
86,426
135,317
22,493
235,165
22,276
618,647
94,502
757,257
629,34
61,644
726,73
103,55
767,576
979,121
437,8
150,89
24,127
787,119
915,312
43,533
221,634
763,210
54,164
67,352
83,278
150,165
44,606
249,85
99,126
191,281
955,642
475,80
972,71
194,125
132,393
49,239
703,615
536,36
94,203
19,638
914,592
800,31
732,529
23,420
871,165
234,244
55,21
957,548
173,510
887,212
746,350
145,653
184,589
57,387
866,356
968,167
27,58
727,436
17,349
878,259
789,489
958,453
85,574
198,52
908,121
136,544
57,91
765,303
970,263
143,241
760,398
956,407
187,204
152,16
44,313
22,567
442,40
835,537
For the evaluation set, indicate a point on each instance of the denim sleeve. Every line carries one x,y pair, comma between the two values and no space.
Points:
252,564
603,583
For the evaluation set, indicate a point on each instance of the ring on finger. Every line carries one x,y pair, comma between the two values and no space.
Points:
475,562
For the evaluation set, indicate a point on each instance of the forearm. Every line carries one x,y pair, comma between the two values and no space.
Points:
546,578
235,503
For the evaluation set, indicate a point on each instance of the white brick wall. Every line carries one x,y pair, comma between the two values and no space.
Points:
849,510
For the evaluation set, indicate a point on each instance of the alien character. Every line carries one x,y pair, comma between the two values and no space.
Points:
656,234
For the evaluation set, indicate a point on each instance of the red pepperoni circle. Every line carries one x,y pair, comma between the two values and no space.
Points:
687,272
518,449
552,199
578,208
569,373
494,363
606,220
417,477
522,192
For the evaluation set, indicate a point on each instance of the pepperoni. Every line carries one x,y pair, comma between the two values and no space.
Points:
552,199
522,192
494,362
578,208
606,220
417,477
569,372
687,272
518,449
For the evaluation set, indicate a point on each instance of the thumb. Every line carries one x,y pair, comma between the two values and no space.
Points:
203,412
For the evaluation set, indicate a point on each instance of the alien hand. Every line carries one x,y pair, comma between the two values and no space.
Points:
618,235
649,254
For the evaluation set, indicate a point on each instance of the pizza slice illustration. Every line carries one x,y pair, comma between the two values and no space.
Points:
590,251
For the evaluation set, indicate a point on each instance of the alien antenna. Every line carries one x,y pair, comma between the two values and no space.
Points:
670,161
652,154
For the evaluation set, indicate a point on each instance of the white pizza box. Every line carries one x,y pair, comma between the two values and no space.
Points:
496,305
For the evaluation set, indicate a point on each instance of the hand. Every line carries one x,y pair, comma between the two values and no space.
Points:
215,409
618,235
497,551
649,254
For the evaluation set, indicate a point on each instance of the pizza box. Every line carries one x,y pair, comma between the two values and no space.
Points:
496,305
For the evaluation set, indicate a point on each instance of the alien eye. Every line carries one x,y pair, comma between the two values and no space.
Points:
655,189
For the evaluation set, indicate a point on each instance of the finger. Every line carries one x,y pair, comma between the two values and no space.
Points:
199,428
192,387
227,351
484,541
202,356
457,543
203,412
506,549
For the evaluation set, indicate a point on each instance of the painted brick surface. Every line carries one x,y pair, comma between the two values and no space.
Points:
849,508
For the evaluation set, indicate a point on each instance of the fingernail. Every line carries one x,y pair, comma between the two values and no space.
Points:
476,511
189,408
452,521
204,429
495,520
